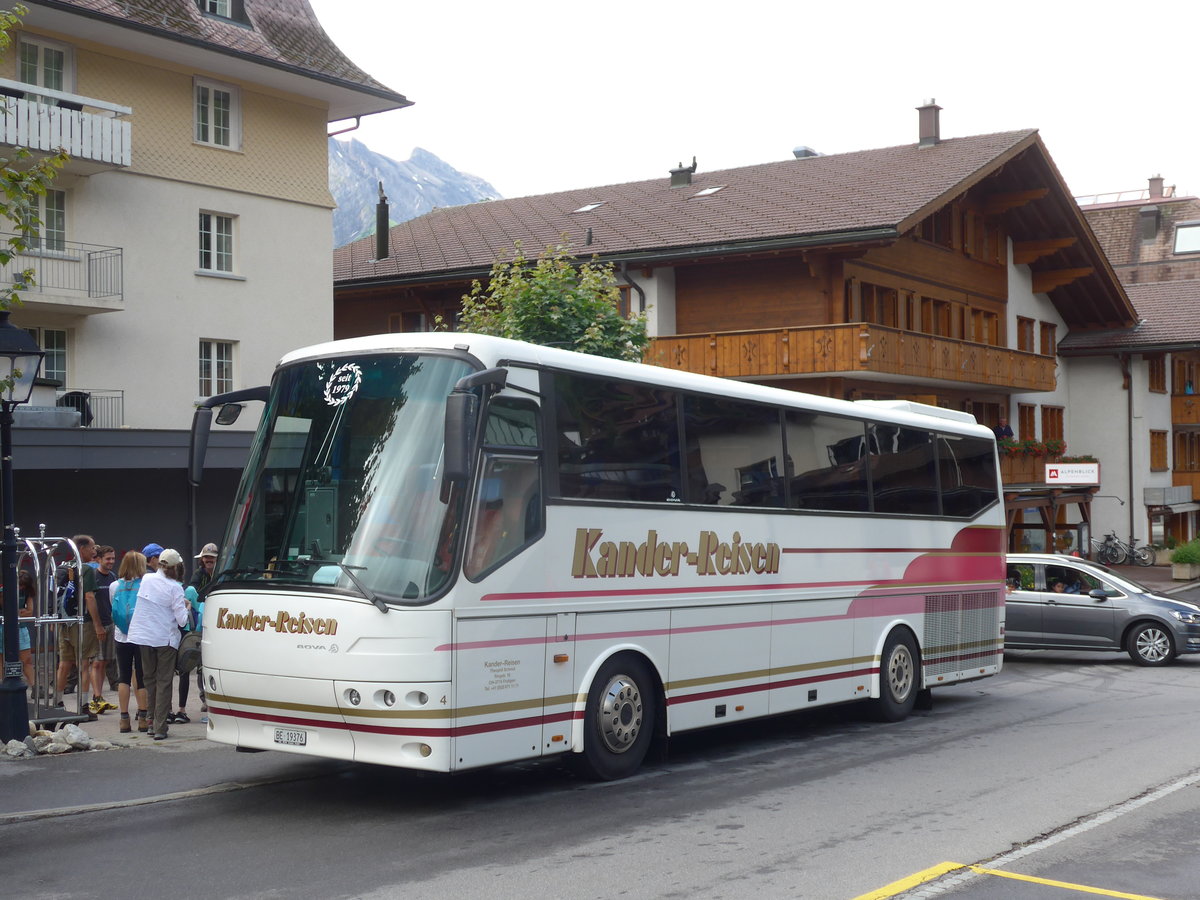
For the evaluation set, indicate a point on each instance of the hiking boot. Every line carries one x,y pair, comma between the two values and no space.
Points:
126,725
143,722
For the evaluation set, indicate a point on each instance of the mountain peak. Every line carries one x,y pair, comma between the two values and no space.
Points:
413,187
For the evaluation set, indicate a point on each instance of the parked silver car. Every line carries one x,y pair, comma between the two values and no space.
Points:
1066,603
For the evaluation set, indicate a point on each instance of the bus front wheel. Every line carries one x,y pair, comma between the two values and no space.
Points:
619,721
899,677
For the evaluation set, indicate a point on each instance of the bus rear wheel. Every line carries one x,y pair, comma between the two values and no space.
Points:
899,677
619,721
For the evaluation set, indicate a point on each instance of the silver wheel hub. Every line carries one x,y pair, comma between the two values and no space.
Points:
1153,645
620,713
899,673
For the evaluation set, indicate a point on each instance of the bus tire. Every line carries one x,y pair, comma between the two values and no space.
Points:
619,721
899,677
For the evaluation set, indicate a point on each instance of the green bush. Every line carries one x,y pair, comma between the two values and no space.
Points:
1187,553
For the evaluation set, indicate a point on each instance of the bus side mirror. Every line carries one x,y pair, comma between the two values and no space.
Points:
462,420
462,413
228,414
201,425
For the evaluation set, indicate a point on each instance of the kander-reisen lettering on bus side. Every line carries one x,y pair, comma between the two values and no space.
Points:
597,558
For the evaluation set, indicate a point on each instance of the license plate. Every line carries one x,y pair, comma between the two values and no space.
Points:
291,737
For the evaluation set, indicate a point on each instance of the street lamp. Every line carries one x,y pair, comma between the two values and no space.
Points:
20,360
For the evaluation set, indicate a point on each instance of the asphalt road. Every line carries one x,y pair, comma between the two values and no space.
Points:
1033,771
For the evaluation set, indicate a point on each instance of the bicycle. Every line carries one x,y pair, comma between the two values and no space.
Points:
1113,551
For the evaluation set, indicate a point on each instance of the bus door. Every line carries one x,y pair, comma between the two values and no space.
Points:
558,705
499,677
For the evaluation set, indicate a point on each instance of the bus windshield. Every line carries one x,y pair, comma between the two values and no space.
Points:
342,488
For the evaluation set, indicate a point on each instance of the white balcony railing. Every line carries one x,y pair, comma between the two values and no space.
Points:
35,122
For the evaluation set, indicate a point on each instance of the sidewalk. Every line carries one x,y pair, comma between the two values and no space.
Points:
1157,578
107,725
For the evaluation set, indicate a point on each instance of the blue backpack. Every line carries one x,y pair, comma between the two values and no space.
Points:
124,600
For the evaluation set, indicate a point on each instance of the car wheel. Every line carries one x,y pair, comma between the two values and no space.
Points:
619,721
1150,644
899,677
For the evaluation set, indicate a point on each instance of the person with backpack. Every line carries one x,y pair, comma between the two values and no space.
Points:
129,657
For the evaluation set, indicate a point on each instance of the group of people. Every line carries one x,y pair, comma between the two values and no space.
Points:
137,616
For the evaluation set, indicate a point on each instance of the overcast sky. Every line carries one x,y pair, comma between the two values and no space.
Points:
541,96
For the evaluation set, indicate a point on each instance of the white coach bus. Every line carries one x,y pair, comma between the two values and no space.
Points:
451,551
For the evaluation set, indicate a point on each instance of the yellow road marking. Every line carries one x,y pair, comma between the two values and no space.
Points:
906,884
1061,884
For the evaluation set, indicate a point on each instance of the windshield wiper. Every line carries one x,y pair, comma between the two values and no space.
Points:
349,570
230,574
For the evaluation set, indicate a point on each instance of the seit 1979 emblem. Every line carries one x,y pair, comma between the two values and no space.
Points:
343,384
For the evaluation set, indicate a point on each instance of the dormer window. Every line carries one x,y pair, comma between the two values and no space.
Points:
233,10
1187,237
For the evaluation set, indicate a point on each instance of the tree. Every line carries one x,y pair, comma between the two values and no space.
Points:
22,181
555,302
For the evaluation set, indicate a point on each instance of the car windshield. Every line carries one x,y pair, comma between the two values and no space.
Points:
342,488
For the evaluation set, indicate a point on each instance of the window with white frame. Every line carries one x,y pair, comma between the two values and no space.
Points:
218,115
222,8
50,209
47,64
54,342
216,242
216,367
1187,237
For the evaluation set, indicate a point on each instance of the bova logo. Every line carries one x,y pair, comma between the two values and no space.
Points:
597,558
281,623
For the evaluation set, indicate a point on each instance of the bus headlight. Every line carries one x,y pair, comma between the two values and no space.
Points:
353,697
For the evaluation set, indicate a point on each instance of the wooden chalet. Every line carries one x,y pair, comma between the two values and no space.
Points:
944,271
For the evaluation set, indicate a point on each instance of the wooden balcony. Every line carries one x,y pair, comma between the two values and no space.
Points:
90,130
855,347
1185,409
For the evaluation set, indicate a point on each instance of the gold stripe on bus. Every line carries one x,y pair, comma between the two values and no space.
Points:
442,713
768,673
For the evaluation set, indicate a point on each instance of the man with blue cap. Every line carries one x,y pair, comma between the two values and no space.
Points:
152,552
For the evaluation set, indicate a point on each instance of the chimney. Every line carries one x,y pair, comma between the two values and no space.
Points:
681,176
381,225
1156,187
930,130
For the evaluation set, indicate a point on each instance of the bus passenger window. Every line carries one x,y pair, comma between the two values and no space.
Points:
617,440
734,453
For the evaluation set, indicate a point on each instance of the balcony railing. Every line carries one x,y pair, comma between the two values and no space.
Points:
68,274
49,120
852,347
97,407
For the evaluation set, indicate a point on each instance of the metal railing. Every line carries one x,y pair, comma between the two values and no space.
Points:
98,407
70,268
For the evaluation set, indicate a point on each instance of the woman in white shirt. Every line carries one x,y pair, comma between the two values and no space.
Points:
161,611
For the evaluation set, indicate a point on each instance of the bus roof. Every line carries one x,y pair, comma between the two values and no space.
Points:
494,351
